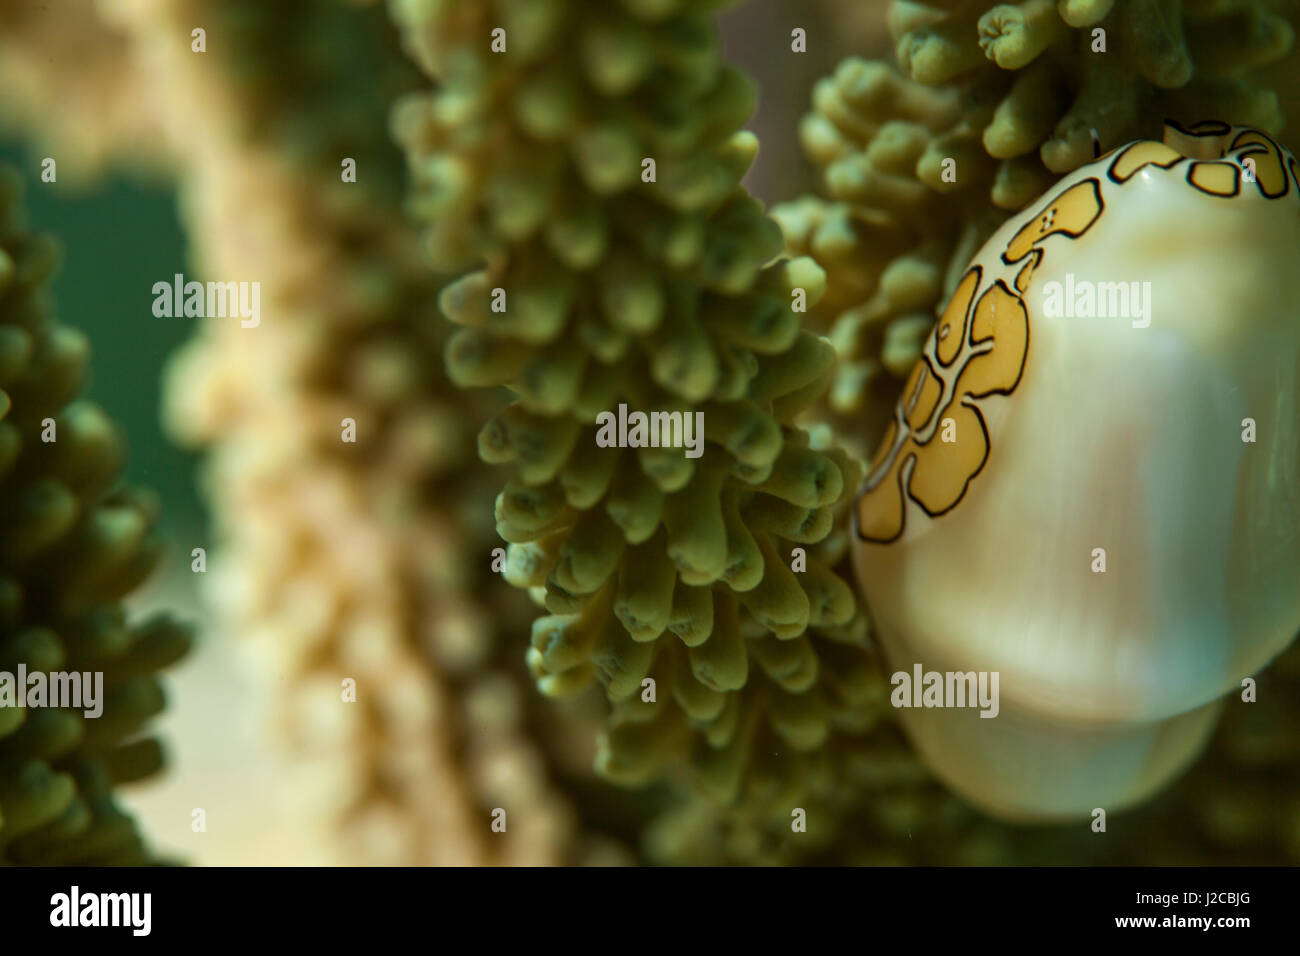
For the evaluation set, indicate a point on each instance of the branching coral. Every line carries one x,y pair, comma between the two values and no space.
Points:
989,105
531,164
342,560
73,543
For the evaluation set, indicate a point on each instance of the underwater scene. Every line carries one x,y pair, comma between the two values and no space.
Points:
681,433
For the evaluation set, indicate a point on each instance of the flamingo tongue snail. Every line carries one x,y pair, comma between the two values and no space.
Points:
1090,486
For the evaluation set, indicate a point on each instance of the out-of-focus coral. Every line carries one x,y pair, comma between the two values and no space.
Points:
655,288
989,104
73,543
365,560
70,84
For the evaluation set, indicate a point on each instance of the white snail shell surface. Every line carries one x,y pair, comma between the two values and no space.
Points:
1067,496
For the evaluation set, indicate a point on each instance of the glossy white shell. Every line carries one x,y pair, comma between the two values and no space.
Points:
1117,435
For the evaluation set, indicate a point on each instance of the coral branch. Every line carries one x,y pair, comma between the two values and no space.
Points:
74,544
640,276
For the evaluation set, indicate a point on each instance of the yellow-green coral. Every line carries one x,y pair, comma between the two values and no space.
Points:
73,543
658,291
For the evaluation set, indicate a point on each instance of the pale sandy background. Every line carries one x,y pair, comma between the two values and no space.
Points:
217,726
